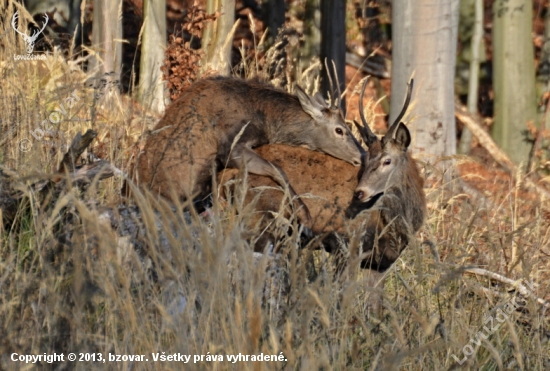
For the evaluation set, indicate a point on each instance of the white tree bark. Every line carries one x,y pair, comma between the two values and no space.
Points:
429,38
514,76
107,37
473,83
219,38
152,89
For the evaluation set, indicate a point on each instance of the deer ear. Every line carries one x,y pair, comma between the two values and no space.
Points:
402,136
318,97
309,105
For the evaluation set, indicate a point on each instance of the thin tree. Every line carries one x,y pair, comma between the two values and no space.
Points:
107,37
514,76
424,41
217,40
333,45
473,82
311,46
273,14
152,88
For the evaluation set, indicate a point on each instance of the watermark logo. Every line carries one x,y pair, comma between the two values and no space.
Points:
54,117
501,315
29,40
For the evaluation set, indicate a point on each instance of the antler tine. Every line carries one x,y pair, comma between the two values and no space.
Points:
365,131
337,83
332,100
403,110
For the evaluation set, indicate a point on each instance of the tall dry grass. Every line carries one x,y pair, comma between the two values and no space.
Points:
193,287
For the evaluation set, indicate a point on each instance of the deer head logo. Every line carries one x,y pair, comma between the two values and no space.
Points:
29,40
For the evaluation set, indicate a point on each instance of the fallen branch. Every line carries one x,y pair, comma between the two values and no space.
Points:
367,66
13,191
523,290
78,146
471,121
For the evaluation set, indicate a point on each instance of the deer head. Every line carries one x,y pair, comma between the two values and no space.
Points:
29,40
387,158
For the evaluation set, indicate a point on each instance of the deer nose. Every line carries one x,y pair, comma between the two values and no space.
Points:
359,195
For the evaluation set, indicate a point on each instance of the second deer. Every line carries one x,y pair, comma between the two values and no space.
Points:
384,202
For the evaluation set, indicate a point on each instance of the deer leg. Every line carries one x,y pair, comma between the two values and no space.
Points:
244,156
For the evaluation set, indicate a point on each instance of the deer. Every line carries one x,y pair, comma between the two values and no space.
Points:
383,202
29,40
219,121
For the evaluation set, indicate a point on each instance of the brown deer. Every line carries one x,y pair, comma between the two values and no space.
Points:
384,201
198,131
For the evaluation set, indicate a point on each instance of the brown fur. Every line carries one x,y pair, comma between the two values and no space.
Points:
199,128
329,180
402,206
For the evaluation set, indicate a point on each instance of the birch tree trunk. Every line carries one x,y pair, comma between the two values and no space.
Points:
473,82
152,89
514,76
107,37
218,40
402,53
333,45
433,28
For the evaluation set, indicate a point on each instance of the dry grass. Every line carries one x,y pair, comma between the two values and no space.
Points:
193,286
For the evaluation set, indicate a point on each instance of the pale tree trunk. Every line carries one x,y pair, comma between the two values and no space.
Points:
152,88
218,39
107,38
473,84
433,32
402,53
333,45
311,47
208,32
514,76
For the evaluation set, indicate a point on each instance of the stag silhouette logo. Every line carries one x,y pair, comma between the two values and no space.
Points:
29,40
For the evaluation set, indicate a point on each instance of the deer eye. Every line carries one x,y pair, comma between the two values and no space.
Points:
339,131
387,161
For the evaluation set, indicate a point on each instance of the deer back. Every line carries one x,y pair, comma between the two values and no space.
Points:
199,129
325,183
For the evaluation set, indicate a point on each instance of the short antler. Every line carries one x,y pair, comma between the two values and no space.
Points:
366,133
394,125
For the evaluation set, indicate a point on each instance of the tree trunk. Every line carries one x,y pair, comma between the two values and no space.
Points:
473,83
333,45
514,76
219,43
311,47
402,53
152,88
433,28
273,13
107,37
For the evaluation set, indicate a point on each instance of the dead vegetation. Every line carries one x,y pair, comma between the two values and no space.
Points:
78,273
